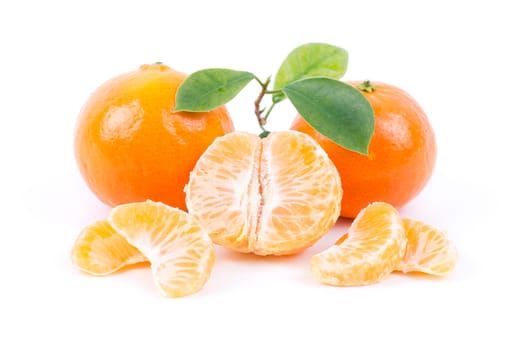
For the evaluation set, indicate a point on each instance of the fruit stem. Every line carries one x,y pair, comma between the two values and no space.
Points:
258,111
262,119
366,86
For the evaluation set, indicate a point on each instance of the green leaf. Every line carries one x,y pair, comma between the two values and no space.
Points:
312,60
335,109
208,89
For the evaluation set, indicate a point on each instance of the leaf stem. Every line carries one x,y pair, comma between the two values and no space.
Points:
269,111
261,83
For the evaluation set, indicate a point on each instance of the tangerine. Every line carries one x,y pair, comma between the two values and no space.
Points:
401,157
129,144
272,196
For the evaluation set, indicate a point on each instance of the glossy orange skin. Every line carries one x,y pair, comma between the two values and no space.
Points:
130,146
401,158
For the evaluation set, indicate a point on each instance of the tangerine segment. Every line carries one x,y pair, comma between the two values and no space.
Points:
301,193
99,250
223,190
276,195
428,250
178,247
373,248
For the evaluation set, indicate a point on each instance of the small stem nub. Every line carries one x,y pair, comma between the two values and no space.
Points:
263,134
366,86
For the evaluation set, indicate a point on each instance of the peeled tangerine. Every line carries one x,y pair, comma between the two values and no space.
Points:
276,195
379,242
178,248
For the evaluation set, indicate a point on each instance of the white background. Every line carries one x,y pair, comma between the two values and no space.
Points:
462,60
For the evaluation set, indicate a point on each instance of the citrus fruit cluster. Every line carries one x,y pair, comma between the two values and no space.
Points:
160,148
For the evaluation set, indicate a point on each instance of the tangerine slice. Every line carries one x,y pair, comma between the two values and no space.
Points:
277,195
178,247
372,249
99,250
428,250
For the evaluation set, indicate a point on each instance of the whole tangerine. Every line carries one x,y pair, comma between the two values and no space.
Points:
129,144
401,156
